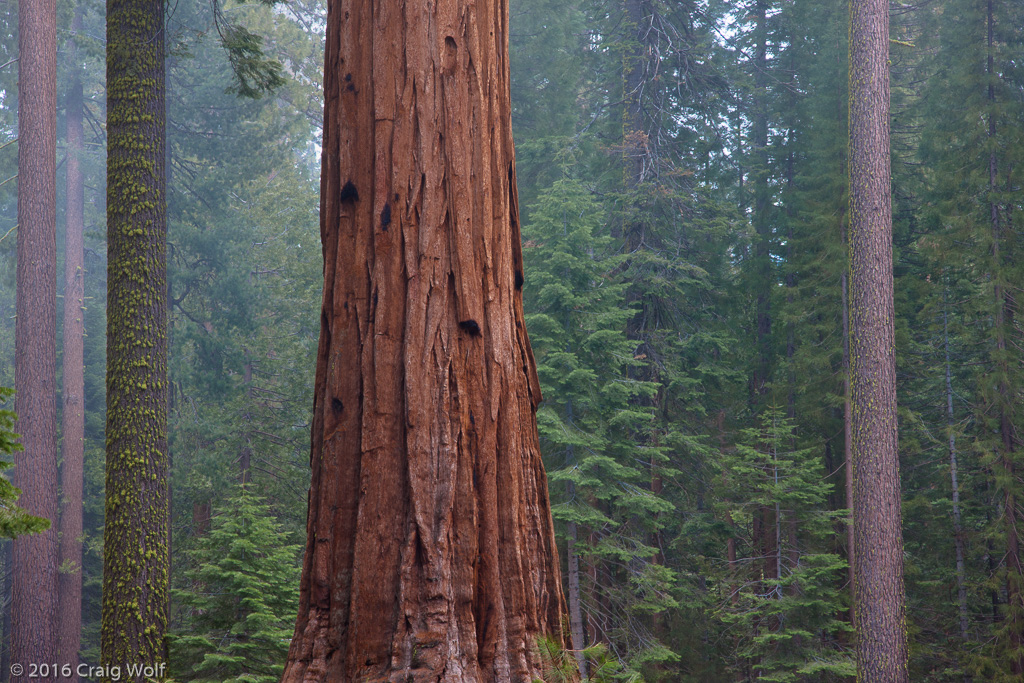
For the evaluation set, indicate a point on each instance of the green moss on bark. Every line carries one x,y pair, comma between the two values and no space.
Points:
136,556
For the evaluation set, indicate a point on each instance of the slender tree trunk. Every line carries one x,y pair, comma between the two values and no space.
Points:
793,527
762,202
73,415
200,518
431,553
958,533
245,451
842,109
766,531
634,139
34,606
575,608
878,574
848,441
730,541
135,539
576,634
596,617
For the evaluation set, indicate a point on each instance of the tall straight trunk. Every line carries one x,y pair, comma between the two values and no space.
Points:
245,451
878,574
34,605
135,540
766,529
73,415
578,637
1006,395
762,202
793,528
730,541
431,551
597,618
634,140
848,440
958,532
842,108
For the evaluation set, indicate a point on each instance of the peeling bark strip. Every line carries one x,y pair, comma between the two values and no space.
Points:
878,540
430,553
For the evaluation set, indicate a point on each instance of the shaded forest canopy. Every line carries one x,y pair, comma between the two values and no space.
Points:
682,170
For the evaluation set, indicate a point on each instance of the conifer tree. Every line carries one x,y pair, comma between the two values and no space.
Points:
73,391
586,425
136,552
34,598
971,109
878,566
787,626
239,618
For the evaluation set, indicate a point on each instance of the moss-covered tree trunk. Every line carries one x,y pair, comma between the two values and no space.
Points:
431,552
34,594
135,543
878,562
73,416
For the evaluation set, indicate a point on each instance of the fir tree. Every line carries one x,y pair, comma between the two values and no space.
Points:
238,616
786,624
577,321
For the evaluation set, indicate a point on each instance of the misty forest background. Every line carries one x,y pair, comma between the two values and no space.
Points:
682,182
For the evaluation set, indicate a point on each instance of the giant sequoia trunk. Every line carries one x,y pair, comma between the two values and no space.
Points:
878,560
430,553
34,601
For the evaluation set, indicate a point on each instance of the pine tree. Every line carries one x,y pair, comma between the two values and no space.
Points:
34,600
878,572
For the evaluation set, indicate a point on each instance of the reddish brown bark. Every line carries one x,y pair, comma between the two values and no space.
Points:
431,552
73,416
33,610
878,562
